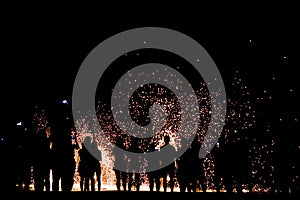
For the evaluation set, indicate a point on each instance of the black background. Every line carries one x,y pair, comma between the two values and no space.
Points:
44,46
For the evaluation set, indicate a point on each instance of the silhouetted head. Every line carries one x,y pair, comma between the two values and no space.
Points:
166,139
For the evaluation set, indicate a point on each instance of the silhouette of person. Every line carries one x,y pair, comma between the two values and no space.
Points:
84,172
63,164
41,161
63,161
89,165
23,157
190,169
153,176
134,177
165,172
169,170
96,161
15,158
120,162
8,167
28,154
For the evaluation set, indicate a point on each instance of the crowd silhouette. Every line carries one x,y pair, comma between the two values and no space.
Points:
45,148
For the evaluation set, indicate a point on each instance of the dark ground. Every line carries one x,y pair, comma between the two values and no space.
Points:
153,195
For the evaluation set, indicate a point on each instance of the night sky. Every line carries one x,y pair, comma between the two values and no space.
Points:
42,58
